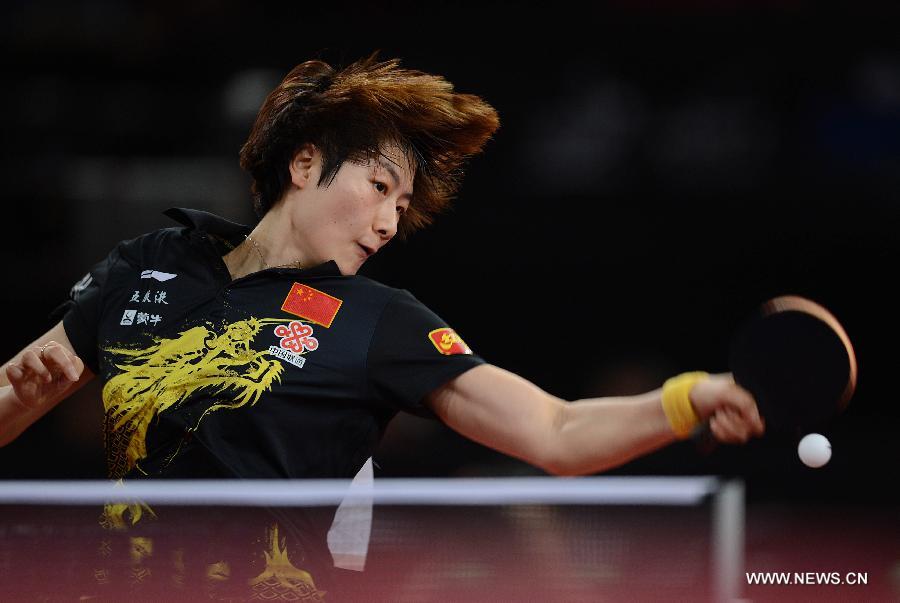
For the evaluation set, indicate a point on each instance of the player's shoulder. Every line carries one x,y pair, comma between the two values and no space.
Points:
192,225
139,249
394,304
381,299
382,291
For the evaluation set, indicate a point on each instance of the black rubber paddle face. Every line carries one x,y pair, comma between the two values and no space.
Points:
796,365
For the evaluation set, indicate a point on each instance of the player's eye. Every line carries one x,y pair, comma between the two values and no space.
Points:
381,187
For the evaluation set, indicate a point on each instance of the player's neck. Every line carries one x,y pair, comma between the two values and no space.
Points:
267,246
274,238
242,261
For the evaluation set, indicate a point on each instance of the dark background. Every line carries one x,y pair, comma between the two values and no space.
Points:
659,171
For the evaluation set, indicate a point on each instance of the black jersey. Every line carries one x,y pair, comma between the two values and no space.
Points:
283,373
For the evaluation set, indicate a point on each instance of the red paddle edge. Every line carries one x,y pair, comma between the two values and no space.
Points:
795,303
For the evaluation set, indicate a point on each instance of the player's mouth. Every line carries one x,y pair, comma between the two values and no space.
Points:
367,251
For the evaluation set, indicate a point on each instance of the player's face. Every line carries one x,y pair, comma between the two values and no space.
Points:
357,214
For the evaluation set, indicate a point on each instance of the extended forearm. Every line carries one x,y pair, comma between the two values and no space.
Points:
508,413
601,433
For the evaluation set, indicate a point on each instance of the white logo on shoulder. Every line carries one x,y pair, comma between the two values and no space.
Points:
128,317
160,276
81,285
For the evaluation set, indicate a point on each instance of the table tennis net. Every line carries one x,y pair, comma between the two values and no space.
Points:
512,539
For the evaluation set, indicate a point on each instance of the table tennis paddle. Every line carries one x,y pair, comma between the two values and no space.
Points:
797,361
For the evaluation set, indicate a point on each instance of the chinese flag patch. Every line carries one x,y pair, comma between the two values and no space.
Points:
311,304
448,342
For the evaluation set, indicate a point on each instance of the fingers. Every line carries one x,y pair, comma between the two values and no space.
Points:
41,374
44,364
745,405
728,426
14,372
733,426
757,423
25,381
748,410
735,416
60,361
32,363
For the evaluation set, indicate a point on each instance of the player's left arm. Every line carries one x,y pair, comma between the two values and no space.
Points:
508,413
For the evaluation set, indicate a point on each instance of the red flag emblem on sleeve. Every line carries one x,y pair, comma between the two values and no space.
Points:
311,304
448,342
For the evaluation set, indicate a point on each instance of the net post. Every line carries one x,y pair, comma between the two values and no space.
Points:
728,541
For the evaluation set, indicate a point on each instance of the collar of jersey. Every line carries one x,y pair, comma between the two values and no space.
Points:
235,233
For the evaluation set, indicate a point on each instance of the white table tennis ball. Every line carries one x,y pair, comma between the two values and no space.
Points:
814,450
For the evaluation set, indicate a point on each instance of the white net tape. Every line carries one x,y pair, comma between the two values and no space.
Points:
451,491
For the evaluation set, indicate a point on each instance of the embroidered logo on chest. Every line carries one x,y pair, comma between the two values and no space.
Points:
154,298
157,275
296,339
311,304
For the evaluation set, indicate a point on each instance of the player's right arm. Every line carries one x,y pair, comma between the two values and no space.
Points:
33,382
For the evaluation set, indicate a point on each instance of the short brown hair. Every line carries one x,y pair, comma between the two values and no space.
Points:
349,114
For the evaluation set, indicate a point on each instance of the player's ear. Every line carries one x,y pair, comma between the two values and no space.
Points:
302,163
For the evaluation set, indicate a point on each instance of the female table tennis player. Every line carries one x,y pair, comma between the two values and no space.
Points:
239,352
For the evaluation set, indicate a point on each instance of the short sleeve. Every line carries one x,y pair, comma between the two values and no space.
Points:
412,353
82,311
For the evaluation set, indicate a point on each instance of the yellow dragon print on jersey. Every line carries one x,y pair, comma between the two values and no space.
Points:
168,371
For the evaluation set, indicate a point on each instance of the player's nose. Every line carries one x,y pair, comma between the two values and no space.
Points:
385,220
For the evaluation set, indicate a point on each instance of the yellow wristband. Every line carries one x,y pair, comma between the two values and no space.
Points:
676,402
